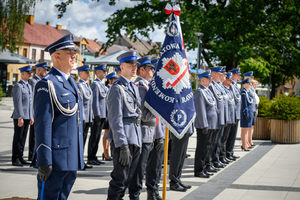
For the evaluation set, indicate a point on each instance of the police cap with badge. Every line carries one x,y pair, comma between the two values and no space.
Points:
216,69
26,68
128,57
250,73
64,43
43,64
245,81
83,68
229,75
100,67
235,71
205,74
154,61
111,75
145,62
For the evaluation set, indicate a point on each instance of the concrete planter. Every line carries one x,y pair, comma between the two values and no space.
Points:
286,132
262,129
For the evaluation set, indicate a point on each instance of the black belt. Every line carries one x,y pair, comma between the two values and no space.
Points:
149,123
135,120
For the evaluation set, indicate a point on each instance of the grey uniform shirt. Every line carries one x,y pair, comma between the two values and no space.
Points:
215,89
147,131
231,105
22,98
99,98
86,95
237,98
206,109
122,112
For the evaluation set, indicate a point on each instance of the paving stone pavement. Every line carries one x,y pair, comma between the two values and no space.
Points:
269,171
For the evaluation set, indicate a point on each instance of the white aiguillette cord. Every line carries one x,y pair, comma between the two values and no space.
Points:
53,97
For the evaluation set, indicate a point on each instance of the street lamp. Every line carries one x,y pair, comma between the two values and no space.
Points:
199,35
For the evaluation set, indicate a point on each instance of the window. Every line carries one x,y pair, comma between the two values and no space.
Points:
25,52
15,78
42,54
33,54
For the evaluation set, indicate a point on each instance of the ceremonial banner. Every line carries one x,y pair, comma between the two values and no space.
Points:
170,94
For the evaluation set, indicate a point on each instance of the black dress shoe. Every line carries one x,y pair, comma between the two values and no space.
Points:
218,165
24,162
218,169
201,175
100,162
177,187
236,157
207,172
231,158
211,169
153,195
17,163
224,161
185,186
93,162
86,166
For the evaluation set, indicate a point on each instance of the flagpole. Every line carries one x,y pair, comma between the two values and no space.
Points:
165,163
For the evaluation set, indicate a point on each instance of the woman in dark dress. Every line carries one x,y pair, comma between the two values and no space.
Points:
247,114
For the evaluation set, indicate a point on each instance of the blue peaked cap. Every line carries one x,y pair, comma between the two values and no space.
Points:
111,75
204,74
248,73
229,75
223,70
154,61
235,71
66,42
83,68
118,69
216,69
43,64
25,69
146,60
102,67
128,57
247,80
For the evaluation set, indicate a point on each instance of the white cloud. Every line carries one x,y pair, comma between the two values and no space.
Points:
85,18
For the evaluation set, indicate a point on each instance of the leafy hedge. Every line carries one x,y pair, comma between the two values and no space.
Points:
285,108
264,107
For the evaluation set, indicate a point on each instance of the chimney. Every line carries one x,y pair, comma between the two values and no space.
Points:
47,23
30,19
58,27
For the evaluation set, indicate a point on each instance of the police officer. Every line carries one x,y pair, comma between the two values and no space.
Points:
216,90
99,109
247,113
234,128
206,123
22,115
230,118
58,128
145,72
118,71
124,116
110,79
254,105
40,72
86,95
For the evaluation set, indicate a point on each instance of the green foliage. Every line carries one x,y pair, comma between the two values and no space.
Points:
259,67
264,107
285,108
12,21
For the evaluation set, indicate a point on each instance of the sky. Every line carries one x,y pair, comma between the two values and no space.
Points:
85,18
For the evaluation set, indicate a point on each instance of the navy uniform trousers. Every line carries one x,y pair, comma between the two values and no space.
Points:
19,139
97,127
202,149
120,173
224,139
231,139
217,145
177,157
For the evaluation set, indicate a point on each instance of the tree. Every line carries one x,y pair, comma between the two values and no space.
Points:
13,14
